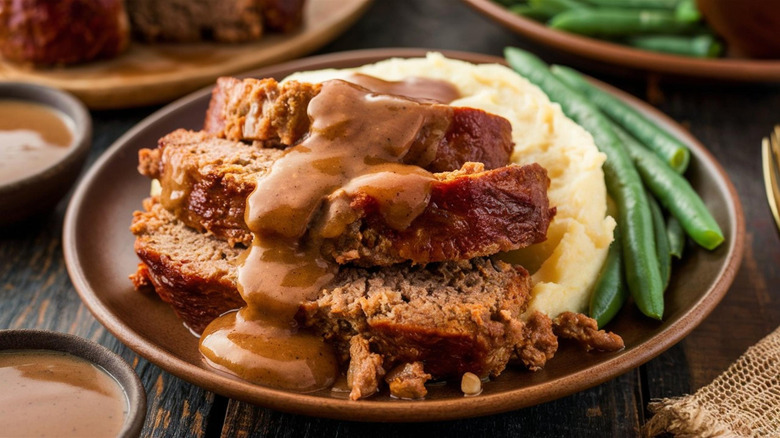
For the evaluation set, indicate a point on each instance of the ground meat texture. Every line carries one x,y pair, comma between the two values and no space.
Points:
472,212
454,317
585,331
539,343
195,273
229,21
365,369
264,110
407,381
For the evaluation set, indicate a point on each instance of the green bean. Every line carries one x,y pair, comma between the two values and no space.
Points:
529,11
615,22
661,241
687,10
676,236
640,4
509,3
670,149
623,182
701,46
554,7
610,293
674,192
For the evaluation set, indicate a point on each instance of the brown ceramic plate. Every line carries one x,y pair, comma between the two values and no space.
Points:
737,69
157,73
99,255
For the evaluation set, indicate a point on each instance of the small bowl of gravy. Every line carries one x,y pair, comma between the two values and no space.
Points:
45,135
60,385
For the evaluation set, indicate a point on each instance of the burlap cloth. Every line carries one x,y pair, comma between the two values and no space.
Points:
744,401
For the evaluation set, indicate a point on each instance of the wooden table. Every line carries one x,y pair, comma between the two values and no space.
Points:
731,119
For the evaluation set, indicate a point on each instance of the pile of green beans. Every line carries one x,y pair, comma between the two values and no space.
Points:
669,26
639,175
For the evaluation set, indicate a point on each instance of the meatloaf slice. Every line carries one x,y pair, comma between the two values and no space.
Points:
206,180
454,316
264,110
227,21
193,272
471,213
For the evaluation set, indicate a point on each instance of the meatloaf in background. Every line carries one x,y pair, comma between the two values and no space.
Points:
45,32
226,21
264,110
471,213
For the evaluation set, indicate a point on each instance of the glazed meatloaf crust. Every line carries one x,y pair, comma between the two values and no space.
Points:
472,212
227,21
411,323
454,316
264,110
45,32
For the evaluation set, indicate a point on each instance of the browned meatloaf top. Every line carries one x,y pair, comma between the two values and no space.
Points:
227,21
453,316
264,110
471,213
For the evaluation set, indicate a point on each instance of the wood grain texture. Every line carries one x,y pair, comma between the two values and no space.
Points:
609,409
35,291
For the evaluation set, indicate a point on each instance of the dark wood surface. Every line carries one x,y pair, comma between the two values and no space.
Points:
730,119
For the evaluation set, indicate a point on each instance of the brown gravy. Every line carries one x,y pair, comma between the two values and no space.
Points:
50,393
358,142
32,137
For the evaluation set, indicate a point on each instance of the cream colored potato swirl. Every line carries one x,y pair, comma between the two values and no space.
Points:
566,265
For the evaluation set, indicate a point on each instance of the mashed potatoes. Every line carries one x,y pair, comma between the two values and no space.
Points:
565,266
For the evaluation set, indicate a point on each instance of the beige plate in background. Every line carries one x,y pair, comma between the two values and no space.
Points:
736,69
150,74
99,255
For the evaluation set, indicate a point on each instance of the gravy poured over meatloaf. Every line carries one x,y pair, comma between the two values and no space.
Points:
357,142
370,219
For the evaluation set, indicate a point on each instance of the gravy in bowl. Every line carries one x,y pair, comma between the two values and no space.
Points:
51,393
32,138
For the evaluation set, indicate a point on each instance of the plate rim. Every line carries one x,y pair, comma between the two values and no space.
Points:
732,69
371,410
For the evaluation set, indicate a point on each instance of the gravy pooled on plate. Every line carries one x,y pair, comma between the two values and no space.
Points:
357,143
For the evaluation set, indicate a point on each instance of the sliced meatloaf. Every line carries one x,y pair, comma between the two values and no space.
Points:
453,316
471,213
227,21
206,180
264,110
193,272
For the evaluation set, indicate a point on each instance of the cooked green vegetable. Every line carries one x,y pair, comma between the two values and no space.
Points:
640,4
661,241
623,182
676,236
554,7
674,192
610,292
702,46
687,11
614,22
508,3
671,150
530,12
